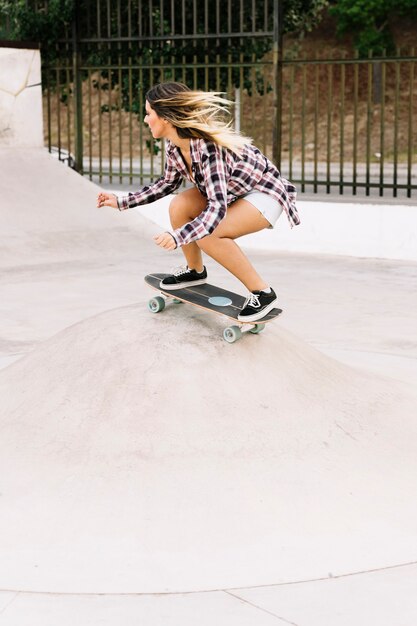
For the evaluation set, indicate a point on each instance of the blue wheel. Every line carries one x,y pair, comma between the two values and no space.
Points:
232,334
156,305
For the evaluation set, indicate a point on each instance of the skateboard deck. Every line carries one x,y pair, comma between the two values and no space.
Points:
210,298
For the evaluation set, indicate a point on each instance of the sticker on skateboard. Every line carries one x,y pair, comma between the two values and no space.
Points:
210,298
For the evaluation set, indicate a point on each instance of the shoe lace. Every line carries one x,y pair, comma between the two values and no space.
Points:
179,271
253,301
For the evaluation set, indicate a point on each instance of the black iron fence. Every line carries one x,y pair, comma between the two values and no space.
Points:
350,124
332,125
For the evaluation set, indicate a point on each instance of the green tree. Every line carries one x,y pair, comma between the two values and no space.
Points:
46,24
49,22
140,34
168,54
369,21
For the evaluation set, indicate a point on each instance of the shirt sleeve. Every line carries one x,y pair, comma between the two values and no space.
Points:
166,184
215,182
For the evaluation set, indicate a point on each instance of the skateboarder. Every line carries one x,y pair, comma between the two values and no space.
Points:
236,190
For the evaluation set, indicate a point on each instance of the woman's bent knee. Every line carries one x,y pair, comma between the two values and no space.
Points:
177,212
186,206
208,242
174,207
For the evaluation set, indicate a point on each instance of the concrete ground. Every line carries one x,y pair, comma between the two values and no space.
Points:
62,262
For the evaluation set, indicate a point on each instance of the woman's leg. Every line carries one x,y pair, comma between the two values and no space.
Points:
185,207
242,218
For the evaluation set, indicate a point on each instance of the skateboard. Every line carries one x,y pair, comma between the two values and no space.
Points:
210,298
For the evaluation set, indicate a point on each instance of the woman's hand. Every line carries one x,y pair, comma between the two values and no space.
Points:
107,199
165,241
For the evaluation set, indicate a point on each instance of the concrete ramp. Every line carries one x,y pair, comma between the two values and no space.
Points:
141,453
48,215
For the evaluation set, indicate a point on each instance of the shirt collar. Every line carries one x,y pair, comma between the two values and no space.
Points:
173,152
197,148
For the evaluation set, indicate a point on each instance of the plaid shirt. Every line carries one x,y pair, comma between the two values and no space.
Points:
222,177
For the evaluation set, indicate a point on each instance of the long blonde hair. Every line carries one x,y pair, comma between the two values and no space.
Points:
196,114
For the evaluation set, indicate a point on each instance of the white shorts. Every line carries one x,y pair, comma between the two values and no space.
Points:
266,204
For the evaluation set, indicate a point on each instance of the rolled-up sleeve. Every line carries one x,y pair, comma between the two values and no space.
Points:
215,185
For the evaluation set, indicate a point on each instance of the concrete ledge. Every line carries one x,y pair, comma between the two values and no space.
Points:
386,231
379,230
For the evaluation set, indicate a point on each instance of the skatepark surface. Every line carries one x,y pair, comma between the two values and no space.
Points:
151,473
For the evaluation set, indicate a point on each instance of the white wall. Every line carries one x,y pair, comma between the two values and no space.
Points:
353,229
21,122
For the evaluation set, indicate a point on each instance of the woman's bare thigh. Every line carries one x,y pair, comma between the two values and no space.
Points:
242,218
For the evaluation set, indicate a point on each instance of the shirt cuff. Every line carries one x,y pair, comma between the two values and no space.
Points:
175,238
123,203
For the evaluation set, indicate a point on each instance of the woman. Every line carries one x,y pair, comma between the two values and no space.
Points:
236,191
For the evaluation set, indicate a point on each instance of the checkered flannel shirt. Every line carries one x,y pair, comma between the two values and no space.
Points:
222,177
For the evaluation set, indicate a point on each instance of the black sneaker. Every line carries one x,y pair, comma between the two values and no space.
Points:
257,306
183,277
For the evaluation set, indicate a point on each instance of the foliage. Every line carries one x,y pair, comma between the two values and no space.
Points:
369,21
223,57
302,16
46,25
216,63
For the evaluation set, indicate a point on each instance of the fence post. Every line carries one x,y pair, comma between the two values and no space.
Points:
78,101
277,67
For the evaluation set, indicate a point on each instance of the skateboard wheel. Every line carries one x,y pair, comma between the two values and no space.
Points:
258,328
232,334
156,305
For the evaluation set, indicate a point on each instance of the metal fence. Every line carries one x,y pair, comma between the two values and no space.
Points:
345,126
116,145
349,125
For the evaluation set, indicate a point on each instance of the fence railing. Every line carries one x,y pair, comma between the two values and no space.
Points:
345,126
117,144
348,125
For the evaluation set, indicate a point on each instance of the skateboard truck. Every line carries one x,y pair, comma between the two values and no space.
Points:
233,333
